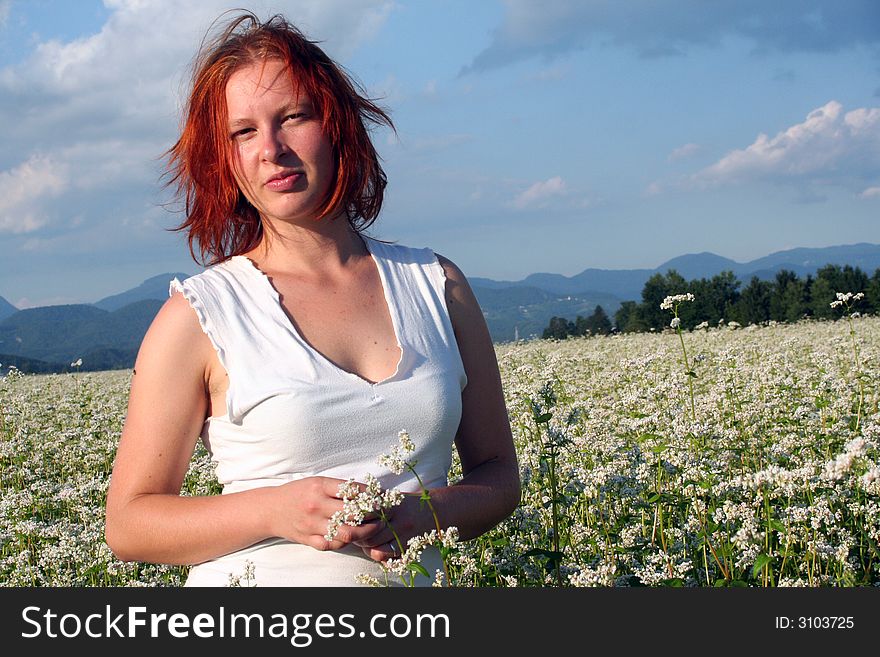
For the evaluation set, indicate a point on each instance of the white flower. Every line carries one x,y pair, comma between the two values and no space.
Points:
395,459
675,323
674,300
77,363
367,580
843,298
356,503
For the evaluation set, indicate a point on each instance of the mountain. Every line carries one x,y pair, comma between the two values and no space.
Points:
805,261
6,309
107,334
152,288
62,334
627,284
621,283
697,265
29,365
523,312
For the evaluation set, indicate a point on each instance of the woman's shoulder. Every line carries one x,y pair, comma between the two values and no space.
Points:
416,255
219,273
183,322
451,270
175,335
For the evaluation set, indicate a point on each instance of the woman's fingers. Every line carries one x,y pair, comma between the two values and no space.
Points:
383,552
310,508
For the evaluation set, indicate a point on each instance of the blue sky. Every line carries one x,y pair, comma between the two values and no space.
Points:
532,136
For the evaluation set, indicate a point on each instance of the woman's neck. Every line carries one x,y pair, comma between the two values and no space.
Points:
326,246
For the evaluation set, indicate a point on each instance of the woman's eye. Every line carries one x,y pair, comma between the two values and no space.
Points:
241,134
295,115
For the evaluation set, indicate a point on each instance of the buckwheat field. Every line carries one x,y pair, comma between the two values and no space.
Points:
723,456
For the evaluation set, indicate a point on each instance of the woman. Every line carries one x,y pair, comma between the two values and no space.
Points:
305,347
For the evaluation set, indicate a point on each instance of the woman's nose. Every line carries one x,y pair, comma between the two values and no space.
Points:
273,146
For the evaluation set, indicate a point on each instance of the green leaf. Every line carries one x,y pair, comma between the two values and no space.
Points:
775,524
654,498
541,419
760,562
550,555
418,568
720,583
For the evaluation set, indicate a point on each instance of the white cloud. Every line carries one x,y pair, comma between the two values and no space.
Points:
24,190
5,5
106,105
545,30
871,192
539,193
683,152
830,145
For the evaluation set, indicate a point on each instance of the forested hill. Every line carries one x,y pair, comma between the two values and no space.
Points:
523,312
60,335
6,308
152,288
107,334
627,284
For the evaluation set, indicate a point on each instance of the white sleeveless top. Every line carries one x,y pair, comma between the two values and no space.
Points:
292,413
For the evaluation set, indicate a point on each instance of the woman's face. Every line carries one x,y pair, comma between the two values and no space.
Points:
282,160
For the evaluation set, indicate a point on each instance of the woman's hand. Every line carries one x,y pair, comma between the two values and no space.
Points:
302,511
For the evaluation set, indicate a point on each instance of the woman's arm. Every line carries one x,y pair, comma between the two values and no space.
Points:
147,518
490,488
489,491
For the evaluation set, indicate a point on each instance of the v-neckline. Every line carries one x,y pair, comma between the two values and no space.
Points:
288,323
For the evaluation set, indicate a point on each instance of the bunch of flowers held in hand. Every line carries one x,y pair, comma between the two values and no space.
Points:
358,504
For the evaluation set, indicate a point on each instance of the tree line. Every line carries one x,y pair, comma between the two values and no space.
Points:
785,298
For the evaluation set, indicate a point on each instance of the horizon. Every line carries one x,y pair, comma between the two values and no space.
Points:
540,139
658,268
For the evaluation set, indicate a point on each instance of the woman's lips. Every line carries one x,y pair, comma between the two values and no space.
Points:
285,183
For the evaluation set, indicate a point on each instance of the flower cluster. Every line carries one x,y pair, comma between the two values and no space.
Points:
395,459
246,579
843,298
447,538
357,503
670,302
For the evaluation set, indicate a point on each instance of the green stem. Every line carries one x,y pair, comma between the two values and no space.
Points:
688,372
555,516
426,496
852,336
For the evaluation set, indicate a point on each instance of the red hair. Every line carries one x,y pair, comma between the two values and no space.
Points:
220,222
